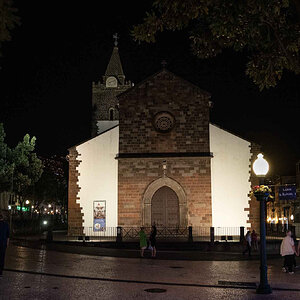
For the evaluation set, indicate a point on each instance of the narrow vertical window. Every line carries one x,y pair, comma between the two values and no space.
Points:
111,114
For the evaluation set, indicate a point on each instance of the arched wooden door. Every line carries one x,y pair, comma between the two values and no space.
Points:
165,208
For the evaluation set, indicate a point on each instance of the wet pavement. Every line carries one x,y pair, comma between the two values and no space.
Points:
133,252
45,274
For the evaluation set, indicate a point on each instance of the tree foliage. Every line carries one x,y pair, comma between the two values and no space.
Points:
6,164
8,20
52,186
267,30
20,168
28,167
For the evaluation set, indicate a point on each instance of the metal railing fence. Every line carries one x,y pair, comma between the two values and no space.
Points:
195,233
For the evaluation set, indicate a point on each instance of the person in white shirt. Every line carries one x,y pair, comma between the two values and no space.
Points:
287,250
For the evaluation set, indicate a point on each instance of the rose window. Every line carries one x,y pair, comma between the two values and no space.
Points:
164,122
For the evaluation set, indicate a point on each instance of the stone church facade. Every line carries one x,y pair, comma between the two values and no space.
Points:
164,120
154,157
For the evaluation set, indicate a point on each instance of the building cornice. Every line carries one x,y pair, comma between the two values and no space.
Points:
164,155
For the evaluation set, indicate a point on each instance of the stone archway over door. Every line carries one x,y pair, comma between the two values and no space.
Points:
174,187
165,208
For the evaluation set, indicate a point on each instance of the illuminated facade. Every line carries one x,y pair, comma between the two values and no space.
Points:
156,158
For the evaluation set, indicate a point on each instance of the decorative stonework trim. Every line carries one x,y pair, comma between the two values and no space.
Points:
150,191
75,215
162,155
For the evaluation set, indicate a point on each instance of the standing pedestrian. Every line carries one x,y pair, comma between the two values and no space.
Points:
4,241
248,243
254,241
153,240
143,241
287,250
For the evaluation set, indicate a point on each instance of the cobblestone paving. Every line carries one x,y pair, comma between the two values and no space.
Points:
41,274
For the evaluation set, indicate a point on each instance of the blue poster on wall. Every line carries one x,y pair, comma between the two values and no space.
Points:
99,215
287,192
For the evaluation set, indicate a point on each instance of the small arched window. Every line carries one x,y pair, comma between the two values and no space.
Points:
111,114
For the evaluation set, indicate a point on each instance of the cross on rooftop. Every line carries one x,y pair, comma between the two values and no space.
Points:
116,37
163,63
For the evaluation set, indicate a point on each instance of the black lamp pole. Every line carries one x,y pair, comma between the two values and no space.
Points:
264,287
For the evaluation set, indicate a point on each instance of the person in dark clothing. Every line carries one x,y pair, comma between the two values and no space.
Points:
248,244
295,243
153,240
4,241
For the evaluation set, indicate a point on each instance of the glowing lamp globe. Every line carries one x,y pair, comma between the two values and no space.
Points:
260,166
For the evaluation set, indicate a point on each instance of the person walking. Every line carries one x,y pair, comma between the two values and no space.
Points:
143,241
248,244
254,242
4,241
287,250
153,240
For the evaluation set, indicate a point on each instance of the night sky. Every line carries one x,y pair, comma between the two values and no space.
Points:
62,46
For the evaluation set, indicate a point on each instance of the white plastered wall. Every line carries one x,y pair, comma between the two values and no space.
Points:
229,178
98,178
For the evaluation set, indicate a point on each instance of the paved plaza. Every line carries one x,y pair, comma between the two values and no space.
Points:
46,274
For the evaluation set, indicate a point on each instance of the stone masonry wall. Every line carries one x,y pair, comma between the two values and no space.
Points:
75,215
103,99
164,92
193,174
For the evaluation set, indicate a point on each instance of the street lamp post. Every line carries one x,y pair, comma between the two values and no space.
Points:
261,168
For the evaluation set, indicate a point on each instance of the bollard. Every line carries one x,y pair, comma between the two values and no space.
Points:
212,235
49,237
293,229
190,239
119,235
242,234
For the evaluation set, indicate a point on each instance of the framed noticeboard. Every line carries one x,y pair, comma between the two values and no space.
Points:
99,208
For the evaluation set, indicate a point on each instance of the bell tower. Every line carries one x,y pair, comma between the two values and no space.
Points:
105,110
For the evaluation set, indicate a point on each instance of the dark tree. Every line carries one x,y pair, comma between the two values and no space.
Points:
267,31
52,186
6,163
20,168
8,20
28,168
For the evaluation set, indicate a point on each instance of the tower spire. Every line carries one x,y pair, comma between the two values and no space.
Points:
114,67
